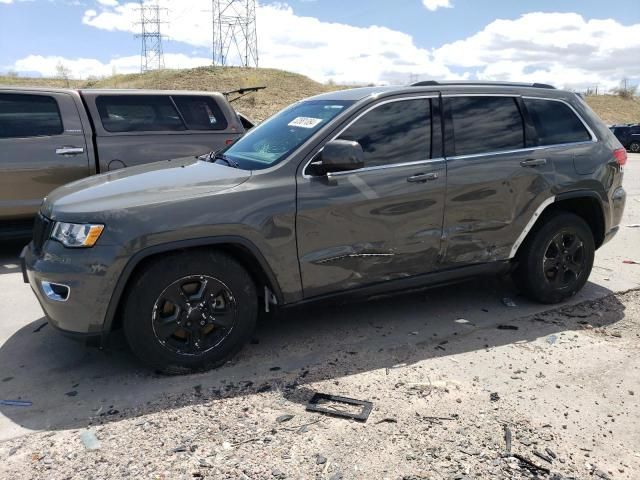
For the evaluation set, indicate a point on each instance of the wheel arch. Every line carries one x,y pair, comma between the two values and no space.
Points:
585,204
241,249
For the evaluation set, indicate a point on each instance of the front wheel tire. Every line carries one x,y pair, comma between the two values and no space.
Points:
189,311
556,260
635,147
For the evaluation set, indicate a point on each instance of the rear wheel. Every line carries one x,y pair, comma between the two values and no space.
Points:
556,260
634,147
189,311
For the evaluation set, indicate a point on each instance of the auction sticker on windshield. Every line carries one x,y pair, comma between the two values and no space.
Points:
305,122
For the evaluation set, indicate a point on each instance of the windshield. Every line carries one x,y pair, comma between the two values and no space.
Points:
273,140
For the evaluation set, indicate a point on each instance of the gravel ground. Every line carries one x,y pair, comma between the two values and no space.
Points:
568,401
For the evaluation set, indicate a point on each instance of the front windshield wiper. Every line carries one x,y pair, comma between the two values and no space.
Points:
213,156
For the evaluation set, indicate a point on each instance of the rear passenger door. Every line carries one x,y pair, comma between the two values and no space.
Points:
42,146
137,129
496,179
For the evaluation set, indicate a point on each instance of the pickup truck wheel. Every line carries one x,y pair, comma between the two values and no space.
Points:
189,311
634,147
555,261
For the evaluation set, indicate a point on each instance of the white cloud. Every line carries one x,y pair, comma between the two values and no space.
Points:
433,5
108,3
6,1
559,48
85,67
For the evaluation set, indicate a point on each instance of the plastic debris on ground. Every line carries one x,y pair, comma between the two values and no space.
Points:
16,403
89,440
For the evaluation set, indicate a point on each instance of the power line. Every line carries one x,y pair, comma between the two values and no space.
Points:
234,39
152,55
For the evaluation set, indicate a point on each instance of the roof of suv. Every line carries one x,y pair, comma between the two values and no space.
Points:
109,91
355,94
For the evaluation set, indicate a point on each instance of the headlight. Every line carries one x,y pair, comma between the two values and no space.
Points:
76,235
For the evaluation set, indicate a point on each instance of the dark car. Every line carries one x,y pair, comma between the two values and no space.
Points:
628,135
348,194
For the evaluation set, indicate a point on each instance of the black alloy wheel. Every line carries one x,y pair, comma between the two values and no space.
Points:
564,260
194,315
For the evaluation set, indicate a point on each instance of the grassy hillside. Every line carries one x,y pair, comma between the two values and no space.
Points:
613,109
283,88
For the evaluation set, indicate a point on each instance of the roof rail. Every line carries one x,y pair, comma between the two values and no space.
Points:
431,83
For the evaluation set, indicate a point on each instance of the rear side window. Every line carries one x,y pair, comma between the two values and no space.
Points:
486,124
138,113
200,113
29,116
395,132
555,122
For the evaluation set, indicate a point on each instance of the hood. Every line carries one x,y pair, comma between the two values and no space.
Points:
152,183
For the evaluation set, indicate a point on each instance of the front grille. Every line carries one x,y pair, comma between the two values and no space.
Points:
41,230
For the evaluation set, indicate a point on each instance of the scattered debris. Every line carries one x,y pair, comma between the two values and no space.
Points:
387,420
16,403
509,302
462,321
494,397
320,459
72,393
508,327
634,225
550,452
529,465
7,379
507,438
551,339
89,440
362,416
40,327
544,457
284,418
631,262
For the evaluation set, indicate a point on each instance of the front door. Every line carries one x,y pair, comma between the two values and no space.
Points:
383,221
42,146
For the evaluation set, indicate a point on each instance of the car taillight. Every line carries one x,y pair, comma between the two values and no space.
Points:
228,141
621,156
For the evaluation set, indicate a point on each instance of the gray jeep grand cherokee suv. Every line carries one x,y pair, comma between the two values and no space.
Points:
352,193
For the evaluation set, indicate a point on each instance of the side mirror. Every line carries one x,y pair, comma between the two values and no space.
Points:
342,156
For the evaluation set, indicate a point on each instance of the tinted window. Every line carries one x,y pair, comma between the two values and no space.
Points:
29,116
143,113
394,132
200,113
555,123
486,124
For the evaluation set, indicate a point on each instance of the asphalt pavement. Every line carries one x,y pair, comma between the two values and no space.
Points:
70,384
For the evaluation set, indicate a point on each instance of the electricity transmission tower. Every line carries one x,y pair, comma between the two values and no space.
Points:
234,38
152,56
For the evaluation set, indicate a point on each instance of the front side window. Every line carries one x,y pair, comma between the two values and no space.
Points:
273,140
29,116
395,132
486,124
138,113
555,122
200,113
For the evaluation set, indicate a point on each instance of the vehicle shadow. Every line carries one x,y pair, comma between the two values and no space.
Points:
9,256
72,385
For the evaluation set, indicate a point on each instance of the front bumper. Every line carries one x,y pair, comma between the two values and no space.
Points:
89,274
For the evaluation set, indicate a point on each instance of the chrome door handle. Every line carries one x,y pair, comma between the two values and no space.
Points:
69,150
533,162
423,177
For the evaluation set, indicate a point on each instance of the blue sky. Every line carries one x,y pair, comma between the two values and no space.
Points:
570,41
